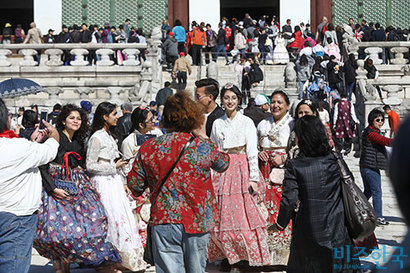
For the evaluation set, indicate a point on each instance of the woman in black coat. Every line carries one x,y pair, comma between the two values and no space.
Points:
313,180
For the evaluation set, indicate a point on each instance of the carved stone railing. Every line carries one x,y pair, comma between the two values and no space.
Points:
135,80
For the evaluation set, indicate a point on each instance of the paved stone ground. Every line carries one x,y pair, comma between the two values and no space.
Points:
388,236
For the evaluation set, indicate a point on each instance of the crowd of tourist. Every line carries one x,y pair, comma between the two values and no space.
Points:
249,183
99,173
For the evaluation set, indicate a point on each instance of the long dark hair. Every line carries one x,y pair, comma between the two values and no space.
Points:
104,108
66,110
312,137
139,115
30,119
4,117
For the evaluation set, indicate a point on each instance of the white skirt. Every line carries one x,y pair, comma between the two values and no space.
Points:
122,224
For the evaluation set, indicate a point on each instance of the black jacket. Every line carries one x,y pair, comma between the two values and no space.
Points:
124,125
256,113
220,38
332,74
255,74
350,71
373,155
216,113
319,226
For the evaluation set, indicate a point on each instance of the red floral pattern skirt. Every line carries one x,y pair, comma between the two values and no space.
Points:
279,242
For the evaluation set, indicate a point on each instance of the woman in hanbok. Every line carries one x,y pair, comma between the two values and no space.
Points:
104,164
142,121
241,233
72,225
280,53
273,134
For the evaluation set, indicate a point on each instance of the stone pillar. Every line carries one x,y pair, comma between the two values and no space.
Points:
54,57
28,57
132,55
105,57
3,57
399,55
79,57
388,12
392,95
154,56
374,54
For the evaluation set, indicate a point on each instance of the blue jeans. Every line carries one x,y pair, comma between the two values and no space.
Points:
16,240
373,188
221,48
174,249
301,95
349,89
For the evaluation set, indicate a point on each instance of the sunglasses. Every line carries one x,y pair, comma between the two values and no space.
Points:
379,120
198,97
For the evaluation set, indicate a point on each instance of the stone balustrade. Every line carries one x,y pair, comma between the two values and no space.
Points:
129,79
79,52
374,50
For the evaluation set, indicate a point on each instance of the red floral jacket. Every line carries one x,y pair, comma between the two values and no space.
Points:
187,196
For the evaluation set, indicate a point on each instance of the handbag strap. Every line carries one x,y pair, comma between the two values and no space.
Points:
170,170
344,173
65,161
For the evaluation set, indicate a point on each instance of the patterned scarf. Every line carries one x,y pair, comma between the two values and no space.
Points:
274,133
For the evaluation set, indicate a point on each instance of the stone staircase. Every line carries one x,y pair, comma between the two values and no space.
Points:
273,78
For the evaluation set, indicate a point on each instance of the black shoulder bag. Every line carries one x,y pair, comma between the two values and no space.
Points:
148,255
360,215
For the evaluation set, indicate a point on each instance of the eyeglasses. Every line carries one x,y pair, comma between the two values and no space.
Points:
198,97
379,120
151,120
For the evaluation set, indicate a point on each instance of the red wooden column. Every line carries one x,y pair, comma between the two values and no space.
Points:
178,9
318,9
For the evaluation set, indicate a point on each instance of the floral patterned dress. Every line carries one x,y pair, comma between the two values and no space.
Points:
75,228
273,138
241,233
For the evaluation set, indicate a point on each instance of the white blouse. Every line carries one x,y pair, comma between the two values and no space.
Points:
101,154
238,132
273,134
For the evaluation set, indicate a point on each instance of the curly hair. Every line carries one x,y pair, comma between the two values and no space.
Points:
182,114
66,110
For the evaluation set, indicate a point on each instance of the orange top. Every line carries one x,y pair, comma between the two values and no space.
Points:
198,37
394,121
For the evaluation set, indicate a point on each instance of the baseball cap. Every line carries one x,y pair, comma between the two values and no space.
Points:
86,105
260,99
181,54
170,33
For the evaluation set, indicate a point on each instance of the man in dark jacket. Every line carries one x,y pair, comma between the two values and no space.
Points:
333,72
124,123
210,44
85,34
257,109
163,95
221,42
206,92
49,39
170,47
52,117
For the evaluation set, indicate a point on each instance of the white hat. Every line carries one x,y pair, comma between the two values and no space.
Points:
260,100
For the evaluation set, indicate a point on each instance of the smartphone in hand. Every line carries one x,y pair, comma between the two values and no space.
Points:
43,116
